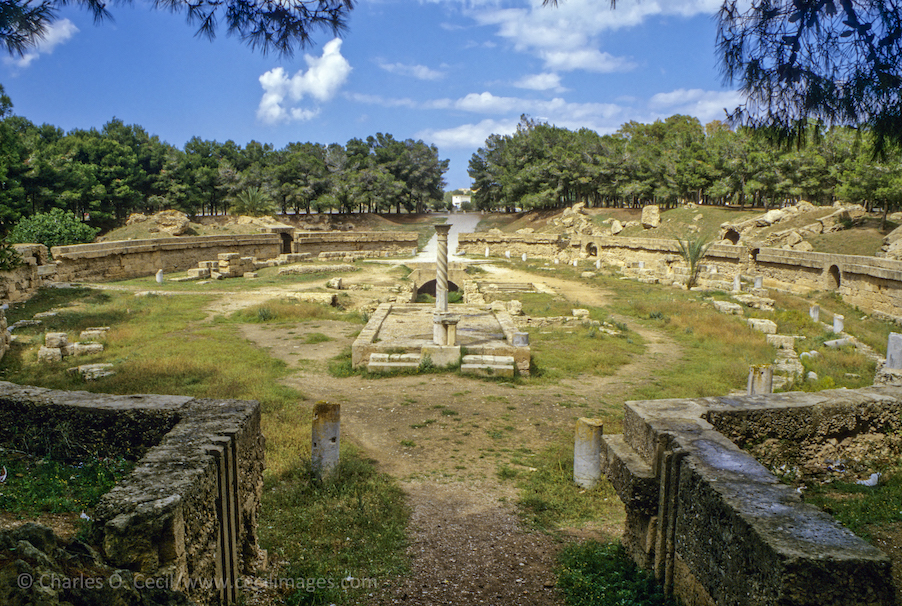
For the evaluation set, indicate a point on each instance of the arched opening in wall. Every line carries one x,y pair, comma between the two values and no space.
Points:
429,289
833,277
591,249
753,253
732,235
286,243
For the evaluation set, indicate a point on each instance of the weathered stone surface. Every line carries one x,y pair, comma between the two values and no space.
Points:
651,216
50,354
728,307
162,520
55,339
88,349
768,327
616,227
717,527
92,372
323,298
781,341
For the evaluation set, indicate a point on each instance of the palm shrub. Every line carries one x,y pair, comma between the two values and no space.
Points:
252,202
693,251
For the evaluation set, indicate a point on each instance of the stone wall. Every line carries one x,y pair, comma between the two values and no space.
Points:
384,242
188,511
36,270
716,526
136,258
868,282
536,245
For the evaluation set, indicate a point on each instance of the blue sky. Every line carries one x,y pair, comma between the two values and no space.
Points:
444,71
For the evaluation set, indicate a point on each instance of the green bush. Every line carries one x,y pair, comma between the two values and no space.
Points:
55,228
9,257
602,574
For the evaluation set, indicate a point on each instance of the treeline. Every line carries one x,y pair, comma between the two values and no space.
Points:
674,161
107,174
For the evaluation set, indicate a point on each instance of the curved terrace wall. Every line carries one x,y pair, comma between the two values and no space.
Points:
867,282
136,258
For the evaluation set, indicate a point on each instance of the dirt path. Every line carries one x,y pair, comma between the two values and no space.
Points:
446,437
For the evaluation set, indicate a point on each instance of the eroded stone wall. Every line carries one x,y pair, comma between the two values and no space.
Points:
868,282
36,270
716,526
136,258
381,242
188,512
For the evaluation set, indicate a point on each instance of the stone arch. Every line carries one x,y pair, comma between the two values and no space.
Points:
592,249
732,235
429,288
834,277
286,243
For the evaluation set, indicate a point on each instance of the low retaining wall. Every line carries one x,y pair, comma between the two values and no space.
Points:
188,512
868,282
136,258
36,270
384,242
537,245
717,527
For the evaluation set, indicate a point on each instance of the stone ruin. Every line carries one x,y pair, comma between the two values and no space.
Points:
185,519
717,527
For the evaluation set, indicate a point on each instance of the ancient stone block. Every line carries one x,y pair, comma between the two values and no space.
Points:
55,339
768,327
50,354
651,216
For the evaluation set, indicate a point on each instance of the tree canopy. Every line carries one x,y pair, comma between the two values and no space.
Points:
262,24
836,61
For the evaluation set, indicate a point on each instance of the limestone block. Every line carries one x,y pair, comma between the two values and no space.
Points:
580,313
199,273
55,340
768,327
781,341
728,307
227,257
334,283
515,307
68,349
50,354
616,227
92,372
651,216
250,274
88,349
94,333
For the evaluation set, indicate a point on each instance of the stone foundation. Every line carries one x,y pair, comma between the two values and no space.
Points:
716,526
188,512
137,258
351,243
36,271
868,282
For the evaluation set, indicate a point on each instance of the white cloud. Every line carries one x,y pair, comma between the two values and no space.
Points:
325,75
546,81
704,105
57,33
587,59
420,72
467,136
567,37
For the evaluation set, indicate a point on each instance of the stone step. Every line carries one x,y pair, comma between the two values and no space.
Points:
476,359
629,474
383,362
487,370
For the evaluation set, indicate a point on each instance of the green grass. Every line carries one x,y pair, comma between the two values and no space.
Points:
316,337
548,497
266,278
858,507
292,310
38,485
602,574
352,525
560,352
716,349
